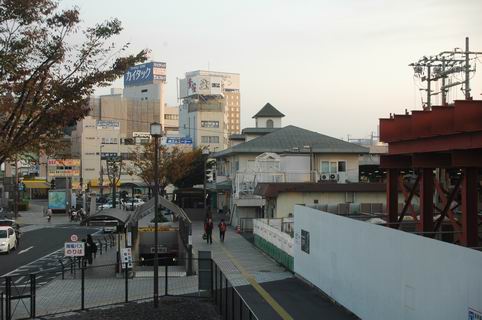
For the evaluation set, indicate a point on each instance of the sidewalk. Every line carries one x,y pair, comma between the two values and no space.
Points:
34,218
269,289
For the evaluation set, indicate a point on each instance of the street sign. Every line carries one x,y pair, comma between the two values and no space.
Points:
74,238
74,249
126,257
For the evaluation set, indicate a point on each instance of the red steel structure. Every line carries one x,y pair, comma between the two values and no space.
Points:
448,138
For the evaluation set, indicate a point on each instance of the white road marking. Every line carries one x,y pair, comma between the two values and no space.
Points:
25,250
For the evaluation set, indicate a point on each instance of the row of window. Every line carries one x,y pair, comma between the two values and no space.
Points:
209,139
109,140
169,116
333,166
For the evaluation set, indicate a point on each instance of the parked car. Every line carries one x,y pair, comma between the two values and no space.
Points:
132,204
4,222
108,204
8,239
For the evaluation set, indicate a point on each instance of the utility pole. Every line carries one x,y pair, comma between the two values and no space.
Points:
429,88
443,66
467,70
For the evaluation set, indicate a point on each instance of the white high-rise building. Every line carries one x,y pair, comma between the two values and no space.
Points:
210,110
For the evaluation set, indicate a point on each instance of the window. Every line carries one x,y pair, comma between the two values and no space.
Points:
333,166
169,116
269,123
144,90
341,166
315,201
209,139
210,124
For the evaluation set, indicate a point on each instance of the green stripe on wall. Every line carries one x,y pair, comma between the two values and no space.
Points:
274,252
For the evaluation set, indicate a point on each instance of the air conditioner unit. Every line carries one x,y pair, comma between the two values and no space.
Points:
324,177
334,177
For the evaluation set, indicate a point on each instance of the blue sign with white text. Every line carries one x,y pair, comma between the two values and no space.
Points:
179,141
146,73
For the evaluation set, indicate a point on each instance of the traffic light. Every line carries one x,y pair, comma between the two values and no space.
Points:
52,184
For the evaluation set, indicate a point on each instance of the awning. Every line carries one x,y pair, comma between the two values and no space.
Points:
95,183
36,184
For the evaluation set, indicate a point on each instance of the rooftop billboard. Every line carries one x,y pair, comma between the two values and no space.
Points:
146,73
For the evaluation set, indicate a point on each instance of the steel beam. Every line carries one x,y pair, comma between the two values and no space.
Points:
392,197
467,158
408,200
431,160
426,200
469,236
395,162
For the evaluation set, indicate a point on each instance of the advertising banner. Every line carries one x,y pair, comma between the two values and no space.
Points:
146,73
57,199
108,124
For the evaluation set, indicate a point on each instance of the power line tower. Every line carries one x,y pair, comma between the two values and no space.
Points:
444,67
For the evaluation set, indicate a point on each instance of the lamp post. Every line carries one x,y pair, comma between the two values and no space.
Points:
101,180
205,153
156,132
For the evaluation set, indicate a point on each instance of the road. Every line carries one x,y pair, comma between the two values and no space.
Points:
39,250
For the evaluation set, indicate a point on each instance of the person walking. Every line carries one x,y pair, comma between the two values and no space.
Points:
92,247
222,229
208,229
49,214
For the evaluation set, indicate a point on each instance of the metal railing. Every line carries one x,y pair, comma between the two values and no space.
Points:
229,301
88,287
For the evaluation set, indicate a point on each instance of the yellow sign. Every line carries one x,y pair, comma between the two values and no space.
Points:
64,162
152,229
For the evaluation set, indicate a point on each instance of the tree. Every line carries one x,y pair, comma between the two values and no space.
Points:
49,66
194,175
114,167
174,164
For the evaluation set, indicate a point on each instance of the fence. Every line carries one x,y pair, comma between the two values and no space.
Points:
96,286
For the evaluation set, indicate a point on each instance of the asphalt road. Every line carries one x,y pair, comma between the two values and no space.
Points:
39,249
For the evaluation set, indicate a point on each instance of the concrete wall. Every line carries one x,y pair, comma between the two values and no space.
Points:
261,122
381,273
286,201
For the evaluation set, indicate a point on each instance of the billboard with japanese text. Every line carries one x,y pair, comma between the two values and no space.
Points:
146,73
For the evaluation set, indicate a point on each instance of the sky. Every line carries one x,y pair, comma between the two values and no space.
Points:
334,67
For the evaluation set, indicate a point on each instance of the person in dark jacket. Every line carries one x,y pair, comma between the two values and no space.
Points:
222,229
208,229
90,248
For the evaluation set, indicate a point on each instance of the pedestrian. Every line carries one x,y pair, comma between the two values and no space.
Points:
49,214
93,248
88,252
222,229
208,229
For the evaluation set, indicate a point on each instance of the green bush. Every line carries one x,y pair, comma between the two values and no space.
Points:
23,205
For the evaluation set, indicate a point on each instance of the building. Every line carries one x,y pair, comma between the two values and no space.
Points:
287,154
94,141
210,109
139,103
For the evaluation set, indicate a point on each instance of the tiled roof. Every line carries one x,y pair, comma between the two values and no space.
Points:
271,190
268,111
285,139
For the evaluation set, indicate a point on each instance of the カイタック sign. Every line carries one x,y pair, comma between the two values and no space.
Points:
74,249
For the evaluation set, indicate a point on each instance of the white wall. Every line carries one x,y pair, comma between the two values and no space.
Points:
381,273
261,122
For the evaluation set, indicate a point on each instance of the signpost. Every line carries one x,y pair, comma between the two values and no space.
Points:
74,249
74,238
126,256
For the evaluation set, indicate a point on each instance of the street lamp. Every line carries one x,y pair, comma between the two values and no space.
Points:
156,132
205,153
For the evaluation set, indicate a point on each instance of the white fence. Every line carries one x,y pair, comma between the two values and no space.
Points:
273,235
382,273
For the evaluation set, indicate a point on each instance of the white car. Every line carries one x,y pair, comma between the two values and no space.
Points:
131,205
8,239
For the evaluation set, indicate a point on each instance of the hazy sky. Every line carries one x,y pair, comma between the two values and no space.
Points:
331,66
